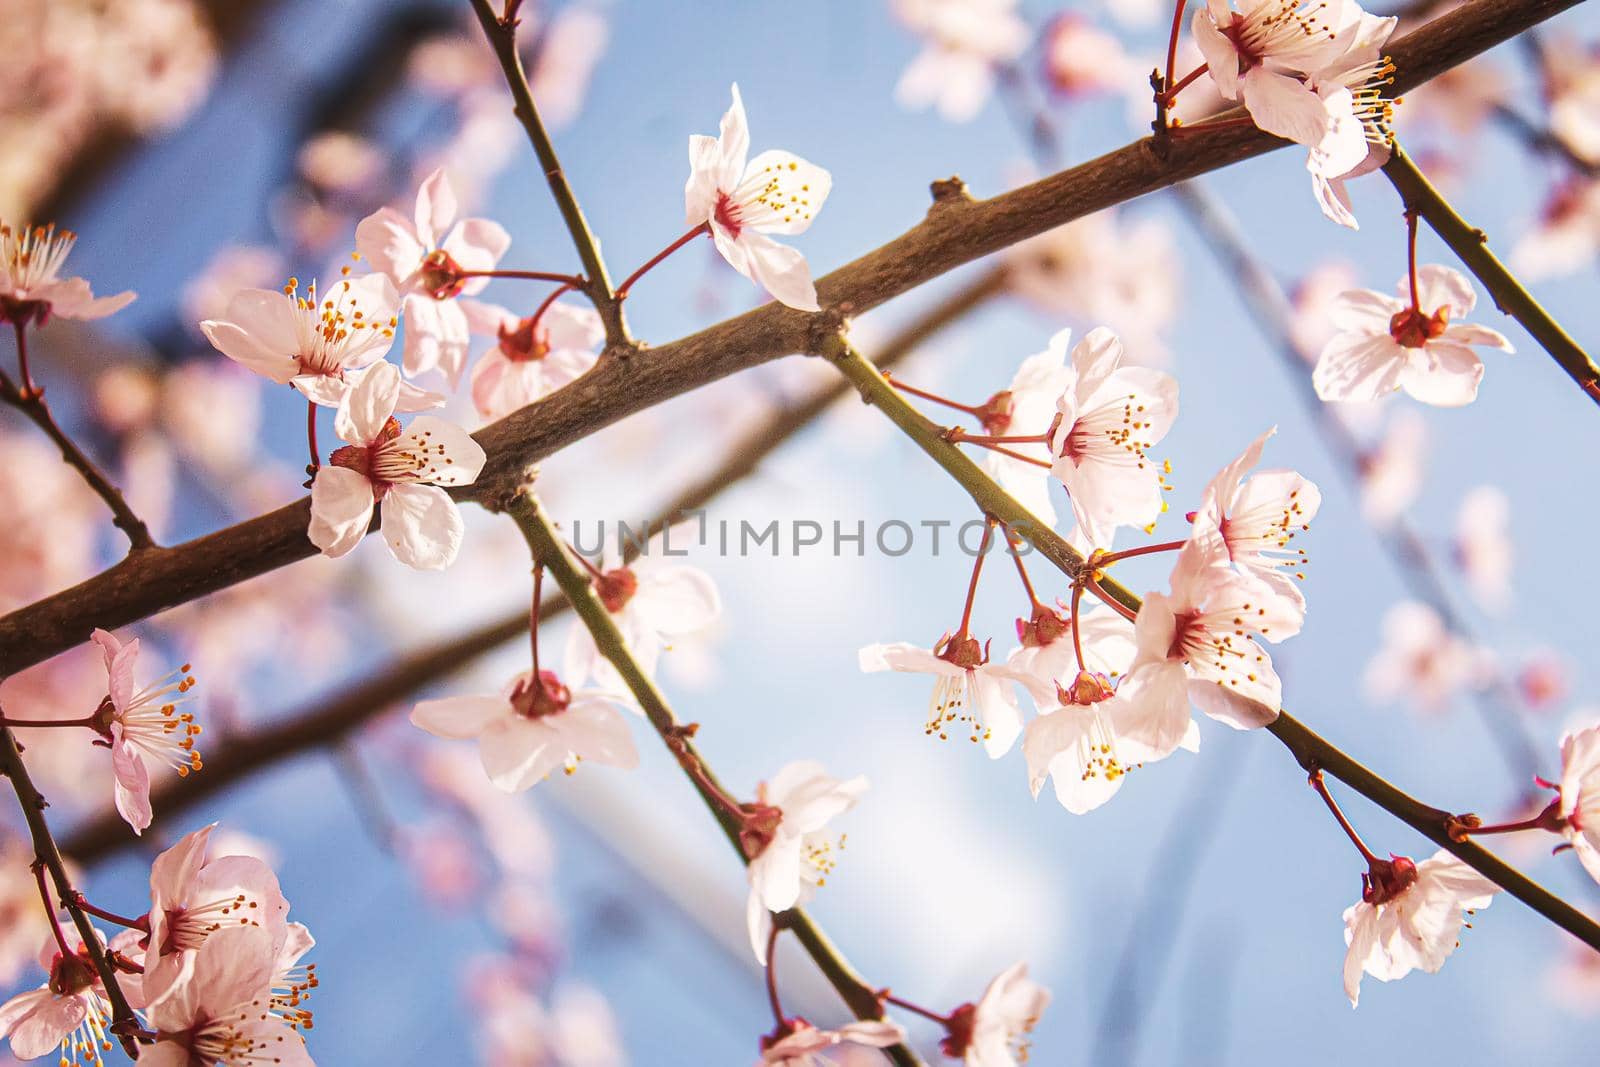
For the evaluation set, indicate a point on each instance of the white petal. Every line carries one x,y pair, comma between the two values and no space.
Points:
364,410
422,526
1285,106
458,718
450,455
436,207
341,510
781,193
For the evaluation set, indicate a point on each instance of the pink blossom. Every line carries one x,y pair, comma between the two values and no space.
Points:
424,257
803,1044
1419,659
1386,344
777,192
69,1011
993,1032
530,360
967,688
530,730
144,725
1580,796
401,468
1483,547
965,42
31,286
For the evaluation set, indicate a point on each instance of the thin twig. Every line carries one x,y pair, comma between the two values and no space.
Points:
1472,246
502,35
32,404
123,1022
549,549
1311,751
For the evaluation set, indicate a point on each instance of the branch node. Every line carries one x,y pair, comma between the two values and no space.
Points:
1459,827
948,191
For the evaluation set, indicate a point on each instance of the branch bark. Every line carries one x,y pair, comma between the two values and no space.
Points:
1310,750
956,231
549,549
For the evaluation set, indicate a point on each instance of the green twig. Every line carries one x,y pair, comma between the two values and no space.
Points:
549,549
1310,750
1472,245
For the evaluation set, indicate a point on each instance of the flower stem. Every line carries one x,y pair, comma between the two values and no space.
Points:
1009,453
1072,615
570,281
1014,542
50,910
972,585
1471,244
1144,550
533,623
29,399
889,998
311,439
1183,83
934,397
549,301
772,976
87,721
627,285
1109,598
1321,786
142,923
1411,257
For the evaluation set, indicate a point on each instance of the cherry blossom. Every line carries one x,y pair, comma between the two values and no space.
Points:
1419,659
192,897
1573,87
1047,657
777,192
530,730
31,286
1409,917
1483,545
790,852
967,688
320,343
1110,416
1080,59
69,1011
22,923
1580,796
1263,52
1029,406
1358,140
533,356
1195,645
965,42
1257,517
401,468
424,256
803,1044
993,1032
224,1013
1413,342
144,725
653,600
1392,471
1565,237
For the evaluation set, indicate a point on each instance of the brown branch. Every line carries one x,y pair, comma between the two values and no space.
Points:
123,1022
32,404
956,231
332,719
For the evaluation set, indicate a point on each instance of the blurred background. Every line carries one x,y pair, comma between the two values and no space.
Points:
200,147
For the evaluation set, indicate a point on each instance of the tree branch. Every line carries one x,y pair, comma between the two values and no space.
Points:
502,35
956,231
1472,245
123,1022
549,549
333,718
1311,751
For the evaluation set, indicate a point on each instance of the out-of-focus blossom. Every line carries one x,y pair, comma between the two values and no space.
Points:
125,397
212,410
402,469
230,269
1419,660
994,1031
47,541
1313,298
530,359
22,921
1565,237
1110,416
1454,106
1391,471
1544,680
1572,85
513,834
532,728
1574,982
965,42
1263,52
1410,917
424,256
967,688
1080,59
776,192
803,1044
144,725
652,600
1103,270
341,162
1483,546
572,45
31,286
790,852
1386,344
